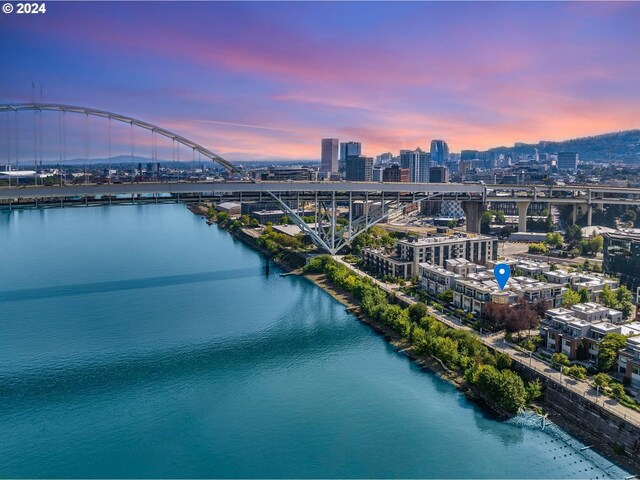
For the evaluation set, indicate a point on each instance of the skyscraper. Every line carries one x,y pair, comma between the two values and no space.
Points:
568,161
439,152
329,157
418,163
348,149
359,169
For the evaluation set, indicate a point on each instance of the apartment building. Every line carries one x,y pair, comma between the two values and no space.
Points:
383,262
435,250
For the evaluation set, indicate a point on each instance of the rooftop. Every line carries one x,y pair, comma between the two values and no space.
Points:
457,237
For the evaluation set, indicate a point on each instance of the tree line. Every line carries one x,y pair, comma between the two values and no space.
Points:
458,350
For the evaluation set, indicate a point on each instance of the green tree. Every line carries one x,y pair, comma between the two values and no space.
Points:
485,221
503,361
512,392
617,390
577,371
446,297
452,224
600,380
538,248
417,311
620,299
554,239
627,310
609,298
533,390
584,295
596,243
623,294
500,217
446,350
570,298
559,360
608,349
573,235
551,226
487,217
629,216
591,245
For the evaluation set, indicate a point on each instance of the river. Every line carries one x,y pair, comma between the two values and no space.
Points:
136,341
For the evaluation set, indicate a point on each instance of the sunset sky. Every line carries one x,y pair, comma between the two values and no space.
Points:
267,81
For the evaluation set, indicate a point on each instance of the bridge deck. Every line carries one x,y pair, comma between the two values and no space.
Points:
488,193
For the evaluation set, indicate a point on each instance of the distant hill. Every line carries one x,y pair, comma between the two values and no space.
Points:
617,146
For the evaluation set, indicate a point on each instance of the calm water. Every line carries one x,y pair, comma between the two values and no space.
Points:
139,342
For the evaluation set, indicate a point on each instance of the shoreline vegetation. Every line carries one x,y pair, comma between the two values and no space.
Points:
485,380
458,356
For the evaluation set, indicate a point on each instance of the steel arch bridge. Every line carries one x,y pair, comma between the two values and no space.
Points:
154,129
326,233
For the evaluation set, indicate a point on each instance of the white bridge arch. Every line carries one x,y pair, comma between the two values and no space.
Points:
55,107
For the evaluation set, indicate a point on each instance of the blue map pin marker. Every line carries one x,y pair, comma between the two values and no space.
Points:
502,272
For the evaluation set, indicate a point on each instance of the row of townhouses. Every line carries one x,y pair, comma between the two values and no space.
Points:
577,331
474,286
592,283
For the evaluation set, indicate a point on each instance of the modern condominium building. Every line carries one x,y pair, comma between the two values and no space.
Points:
435,250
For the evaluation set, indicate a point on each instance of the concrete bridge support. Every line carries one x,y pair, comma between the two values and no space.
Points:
589,215
473,212
574,214
523,206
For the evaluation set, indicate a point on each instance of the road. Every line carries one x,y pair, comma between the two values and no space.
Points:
496,341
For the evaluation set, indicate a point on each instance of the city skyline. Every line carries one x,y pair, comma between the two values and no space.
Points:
271,89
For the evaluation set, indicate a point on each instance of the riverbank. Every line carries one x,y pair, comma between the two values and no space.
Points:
587,434
292,263
430,363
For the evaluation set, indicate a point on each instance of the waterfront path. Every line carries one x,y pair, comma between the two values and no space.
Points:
523,357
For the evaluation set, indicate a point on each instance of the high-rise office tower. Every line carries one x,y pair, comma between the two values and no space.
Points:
348,149
359,169
329,155
568,161
418,163
439,152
